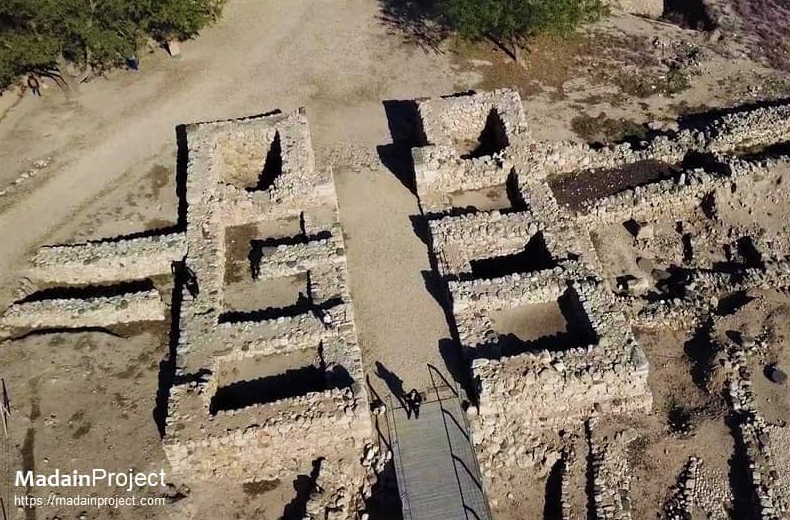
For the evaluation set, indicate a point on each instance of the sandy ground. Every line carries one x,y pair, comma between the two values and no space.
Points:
89,398
400,324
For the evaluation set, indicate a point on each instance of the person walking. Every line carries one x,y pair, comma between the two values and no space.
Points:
413,402
34,85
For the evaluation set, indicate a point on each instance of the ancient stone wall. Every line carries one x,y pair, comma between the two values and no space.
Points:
468,143
108,261
327,416
259,393
549,386
483,235
273,441
519,394
81,313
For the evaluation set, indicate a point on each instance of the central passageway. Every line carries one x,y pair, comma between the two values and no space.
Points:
401,326
404,334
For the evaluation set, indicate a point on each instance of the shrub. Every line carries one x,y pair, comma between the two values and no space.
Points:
509,20
40,35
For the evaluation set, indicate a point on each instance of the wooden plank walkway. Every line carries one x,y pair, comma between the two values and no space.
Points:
437,473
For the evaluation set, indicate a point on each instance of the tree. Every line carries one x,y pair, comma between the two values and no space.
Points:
507,21
20,53
182,19
93,35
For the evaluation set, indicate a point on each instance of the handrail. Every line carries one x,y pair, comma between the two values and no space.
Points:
464,431
450,446
385,440
451,386
404,492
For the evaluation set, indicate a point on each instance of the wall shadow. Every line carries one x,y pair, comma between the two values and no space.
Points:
291,383
182,162
456,359
167,367
405,129
303,485
89,291
699,120
303,306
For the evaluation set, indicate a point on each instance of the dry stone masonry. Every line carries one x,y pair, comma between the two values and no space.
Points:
543,313
108,261
260,396
261,392
551,253
698,490
82,313
590,362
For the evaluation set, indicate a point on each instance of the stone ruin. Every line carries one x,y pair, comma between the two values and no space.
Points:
590,361
303,366
268,375
541,314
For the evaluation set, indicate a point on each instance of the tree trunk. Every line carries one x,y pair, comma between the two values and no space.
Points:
502,47
513,51
66,77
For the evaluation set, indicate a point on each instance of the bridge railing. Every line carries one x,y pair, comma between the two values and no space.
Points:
474,474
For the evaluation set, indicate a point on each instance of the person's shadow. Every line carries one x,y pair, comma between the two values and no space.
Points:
394,383
254,256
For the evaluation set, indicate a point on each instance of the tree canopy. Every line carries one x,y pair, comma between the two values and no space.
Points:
39,35
509,20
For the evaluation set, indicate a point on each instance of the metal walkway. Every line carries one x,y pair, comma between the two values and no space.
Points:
437,472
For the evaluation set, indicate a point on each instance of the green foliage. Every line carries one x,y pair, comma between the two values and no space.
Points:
510,19
182,18
95,34
22,52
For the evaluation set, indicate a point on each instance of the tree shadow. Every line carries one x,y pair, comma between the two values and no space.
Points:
418,22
